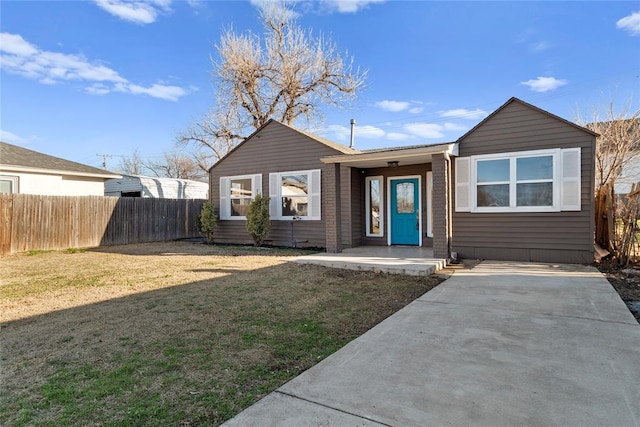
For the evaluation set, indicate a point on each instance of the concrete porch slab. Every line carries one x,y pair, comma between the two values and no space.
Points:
410,260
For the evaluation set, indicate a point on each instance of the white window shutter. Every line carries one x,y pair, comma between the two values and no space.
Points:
315,202
463,184
225,209
570,192
256,185
274,191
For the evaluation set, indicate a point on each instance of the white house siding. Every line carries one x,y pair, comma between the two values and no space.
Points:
57,185
630,175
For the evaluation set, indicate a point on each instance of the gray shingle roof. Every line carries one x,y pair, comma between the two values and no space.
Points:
12,155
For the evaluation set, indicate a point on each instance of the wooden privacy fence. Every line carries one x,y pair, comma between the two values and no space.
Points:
32,222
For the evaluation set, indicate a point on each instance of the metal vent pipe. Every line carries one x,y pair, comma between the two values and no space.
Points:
353,126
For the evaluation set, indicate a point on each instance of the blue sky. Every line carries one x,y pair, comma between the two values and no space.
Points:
81,78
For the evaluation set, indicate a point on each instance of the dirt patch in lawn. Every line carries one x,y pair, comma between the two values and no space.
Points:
626,281
172,333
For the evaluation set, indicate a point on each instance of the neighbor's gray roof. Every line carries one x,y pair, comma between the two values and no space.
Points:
12,156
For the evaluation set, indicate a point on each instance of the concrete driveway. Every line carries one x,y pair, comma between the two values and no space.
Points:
502,344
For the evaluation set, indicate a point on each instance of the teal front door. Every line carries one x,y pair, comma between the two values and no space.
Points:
405,212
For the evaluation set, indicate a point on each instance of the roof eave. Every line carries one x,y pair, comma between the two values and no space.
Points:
381,158
17,168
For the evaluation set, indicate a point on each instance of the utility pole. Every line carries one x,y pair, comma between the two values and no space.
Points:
104,159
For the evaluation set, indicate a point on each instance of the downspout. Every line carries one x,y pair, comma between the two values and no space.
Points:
353,126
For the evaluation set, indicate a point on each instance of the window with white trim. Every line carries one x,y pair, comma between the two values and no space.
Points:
531,181
8,184
236,194
374,206
295,194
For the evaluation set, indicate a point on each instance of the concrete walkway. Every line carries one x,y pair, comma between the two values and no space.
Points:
502,344
410,260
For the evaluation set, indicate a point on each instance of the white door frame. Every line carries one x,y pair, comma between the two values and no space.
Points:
395,178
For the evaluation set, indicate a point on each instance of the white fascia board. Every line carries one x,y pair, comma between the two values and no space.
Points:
14,168
396,155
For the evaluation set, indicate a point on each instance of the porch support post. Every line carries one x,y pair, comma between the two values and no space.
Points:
441,194
332,207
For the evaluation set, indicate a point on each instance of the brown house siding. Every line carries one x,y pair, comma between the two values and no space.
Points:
357,207
544,237
276,148
420,170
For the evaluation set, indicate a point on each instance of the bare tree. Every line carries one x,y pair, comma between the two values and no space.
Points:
132,165
287,74
175,165
172,165
618,148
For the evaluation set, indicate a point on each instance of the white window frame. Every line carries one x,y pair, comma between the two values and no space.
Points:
512,182
15,182
314,189
368,180
566,181
225,194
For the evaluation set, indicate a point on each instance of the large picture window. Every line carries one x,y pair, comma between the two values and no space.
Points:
374,206
532,181
236,194
295,194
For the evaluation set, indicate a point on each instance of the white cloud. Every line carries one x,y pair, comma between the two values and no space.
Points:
630,23
425,130
343,133
262,4
337,132
139,12
398,106
97,89
349,6
463,113
369,132
14,44
17,56
393,106
12,138
544,84
170,93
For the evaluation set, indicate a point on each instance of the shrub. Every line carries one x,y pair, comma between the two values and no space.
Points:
207,221
258,224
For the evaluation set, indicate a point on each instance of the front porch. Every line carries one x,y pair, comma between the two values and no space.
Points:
410,260
394,197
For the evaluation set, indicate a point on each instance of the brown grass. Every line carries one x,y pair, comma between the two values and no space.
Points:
172,333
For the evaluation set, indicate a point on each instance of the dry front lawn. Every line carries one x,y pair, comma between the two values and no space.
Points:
172,333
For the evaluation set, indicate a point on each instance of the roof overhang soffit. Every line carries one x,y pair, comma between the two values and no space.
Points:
404,156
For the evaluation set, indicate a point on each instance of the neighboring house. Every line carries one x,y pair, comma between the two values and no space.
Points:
158,188
518,186
630,173
30,172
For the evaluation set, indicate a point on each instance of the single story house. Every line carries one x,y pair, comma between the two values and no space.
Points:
517,186
154,187
30,172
